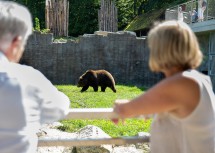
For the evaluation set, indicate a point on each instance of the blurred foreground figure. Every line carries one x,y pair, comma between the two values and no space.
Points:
27,98
183,102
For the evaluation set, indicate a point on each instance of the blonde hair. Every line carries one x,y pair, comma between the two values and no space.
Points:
173,44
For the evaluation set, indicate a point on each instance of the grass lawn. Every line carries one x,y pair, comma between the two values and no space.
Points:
91,99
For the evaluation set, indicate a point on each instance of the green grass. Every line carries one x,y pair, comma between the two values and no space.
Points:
91,99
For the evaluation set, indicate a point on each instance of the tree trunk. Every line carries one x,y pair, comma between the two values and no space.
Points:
57,17
107,16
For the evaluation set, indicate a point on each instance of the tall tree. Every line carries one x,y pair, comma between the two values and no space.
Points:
83,16
37,9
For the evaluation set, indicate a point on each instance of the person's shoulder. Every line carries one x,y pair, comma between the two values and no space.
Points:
180,89
26,68
26,71
195,75
191,81
182,82
184,87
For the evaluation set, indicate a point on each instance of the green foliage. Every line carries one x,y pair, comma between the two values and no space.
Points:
153,5
83,16
37,27
37,24
91,99
45,31
66,39
130,128
125,12
37,9
129,9
144,21
210,7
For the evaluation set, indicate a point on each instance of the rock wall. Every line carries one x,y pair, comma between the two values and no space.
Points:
122,54
207,46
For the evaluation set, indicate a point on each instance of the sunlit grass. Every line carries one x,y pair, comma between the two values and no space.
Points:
91,99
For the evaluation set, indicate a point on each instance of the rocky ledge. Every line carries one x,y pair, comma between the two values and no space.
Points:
90,131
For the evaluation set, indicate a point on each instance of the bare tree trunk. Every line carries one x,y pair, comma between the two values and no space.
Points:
107,16
57,17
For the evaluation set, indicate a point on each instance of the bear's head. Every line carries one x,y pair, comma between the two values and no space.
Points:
87,78
82,81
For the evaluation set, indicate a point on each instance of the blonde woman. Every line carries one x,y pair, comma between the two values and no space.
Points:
183,102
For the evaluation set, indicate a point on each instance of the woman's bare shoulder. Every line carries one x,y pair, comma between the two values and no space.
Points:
185,91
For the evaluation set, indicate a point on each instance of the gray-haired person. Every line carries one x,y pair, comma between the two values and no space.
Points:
27,98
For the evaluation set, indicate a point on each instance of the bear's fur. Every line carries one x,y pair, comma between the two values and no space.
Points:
96,78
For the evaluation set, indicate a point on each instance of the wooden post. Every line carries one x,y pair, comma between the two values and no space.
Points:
57,17
107,16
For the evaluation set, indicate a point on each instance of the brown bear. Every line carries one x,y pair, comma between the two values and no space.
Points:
95,78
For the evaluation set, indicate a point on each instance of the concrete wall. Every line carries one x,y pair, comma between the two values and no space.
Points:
207,45
122,54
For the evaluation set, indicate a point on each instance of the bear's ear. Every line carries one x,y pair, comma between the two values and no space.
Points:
89,70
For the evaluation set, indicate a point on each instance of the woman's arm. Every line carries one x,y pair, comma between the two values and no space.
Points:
178,95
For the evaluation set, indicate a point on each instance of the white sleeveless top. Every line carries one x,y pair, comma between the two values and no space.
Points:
193,134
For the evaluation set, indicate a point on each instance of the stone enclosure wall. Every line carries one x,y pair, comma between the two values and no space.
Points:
207,45
122,54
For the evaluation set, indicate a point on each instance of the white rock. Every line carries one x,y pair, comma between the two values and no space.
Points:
91,131
49,131
126,149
